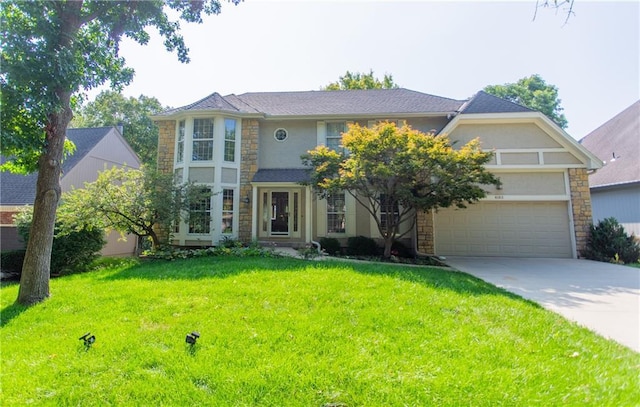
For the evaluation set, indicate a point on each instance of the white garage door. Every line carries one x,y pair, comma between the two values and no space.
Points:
513,229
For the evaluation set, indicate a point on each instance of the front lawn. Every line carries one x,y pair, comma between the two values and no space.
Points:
288,332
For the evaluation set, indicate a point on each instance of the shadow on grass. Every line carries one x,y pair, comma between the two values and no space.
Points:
8,313
225,267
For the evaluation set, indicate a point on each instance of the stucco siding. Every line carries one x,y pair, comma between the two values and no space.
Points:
285,154
622,203
529,183
504,136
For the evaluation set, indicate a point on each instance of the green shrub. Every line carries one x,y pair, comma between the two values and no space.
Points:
362,246
609,242
12,260
71,252
401,250
331,245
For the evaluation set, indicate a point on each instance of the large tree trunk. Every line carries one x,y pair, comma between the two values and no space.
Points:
34,282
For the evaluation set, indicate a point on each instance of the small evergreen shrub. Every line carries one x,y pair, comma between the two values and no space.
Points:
331,245
362,246
11,261
609,242
401,250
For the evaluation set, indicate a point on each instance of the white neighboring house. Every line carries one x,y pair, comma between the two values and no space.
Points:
615,188
96,149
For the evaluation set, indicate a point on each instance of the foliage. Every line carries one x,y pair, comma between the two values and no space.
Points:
401,250
285,332
235,250
534,93
361,246
75,246
609,242
51,50
358,80
394,172
330,245
12,260
143,202
134,115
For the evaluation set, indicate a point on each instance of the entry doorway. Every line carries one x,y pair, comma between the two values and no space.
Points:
280,210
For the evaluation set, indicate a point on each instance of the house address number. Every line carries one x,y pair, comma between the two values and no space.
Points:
498,197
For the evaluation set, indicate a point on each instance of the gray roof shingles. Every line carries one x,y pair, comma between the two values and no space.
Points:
17,189
483,102
619,135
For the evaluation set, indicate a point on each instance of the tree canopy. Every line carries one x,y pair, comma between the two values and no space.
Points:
358,80
534,93
394,172
50,51
142,202
112,109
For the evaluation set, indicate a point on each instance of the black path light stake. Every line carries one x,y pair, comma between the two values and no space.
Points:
192,338
88,339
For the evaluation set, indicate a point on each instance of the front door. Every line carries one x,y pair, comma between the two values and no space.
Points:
280,210
280,214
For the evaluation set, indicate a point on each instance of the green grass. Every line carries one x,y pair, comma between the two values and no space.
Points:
286,332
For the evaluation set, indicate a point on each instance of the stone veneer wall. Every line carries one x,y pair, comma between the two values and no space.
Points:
424,225
248,168
166,145
580,206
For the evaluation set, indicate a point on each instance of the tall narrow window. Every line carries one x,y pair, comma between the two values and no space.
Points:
389,210
334,135
202,139
200,214
227,211
180,147
336,211
230,140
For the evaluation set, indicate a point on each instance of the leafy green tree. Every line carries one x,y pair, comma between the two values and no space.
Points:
394,172
112,109
51,50
143,202
357,80
534,93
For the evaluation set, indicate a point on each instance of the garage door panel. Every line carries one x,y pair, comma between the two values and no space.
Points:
518,229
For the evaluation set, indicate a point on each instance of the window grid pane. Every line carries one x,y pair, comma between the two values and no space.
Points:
227,211
200,214
180,152
334,135
388,208
336,210
203,139
229,140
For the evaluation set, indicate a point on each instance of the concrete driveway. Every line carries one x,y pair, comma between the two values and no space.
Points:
602,297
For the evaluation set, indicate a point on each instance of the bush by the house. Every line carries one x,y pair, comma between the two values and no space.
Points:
609,242
401,250
11,261
72,251
331,245
362,246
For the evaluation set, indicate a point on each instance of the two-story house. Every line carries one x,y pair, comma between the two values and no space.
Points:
245,149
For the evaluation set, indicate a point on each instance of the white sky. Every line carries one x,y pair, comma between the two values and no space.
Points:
449,49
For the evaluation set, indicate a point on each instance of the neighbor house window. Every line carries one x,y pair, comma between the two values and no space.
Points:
227,211
388,208
200,213
180,148
334,135
229,140
336,210
202,139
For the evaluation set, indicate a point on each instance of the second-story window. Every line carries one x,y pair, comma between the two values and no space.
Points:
202,139
230,140
334,135
180,147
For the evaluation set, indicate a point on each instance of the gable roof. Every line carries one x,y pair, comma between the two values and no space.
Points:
18,189
483,102
620,136
325,103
